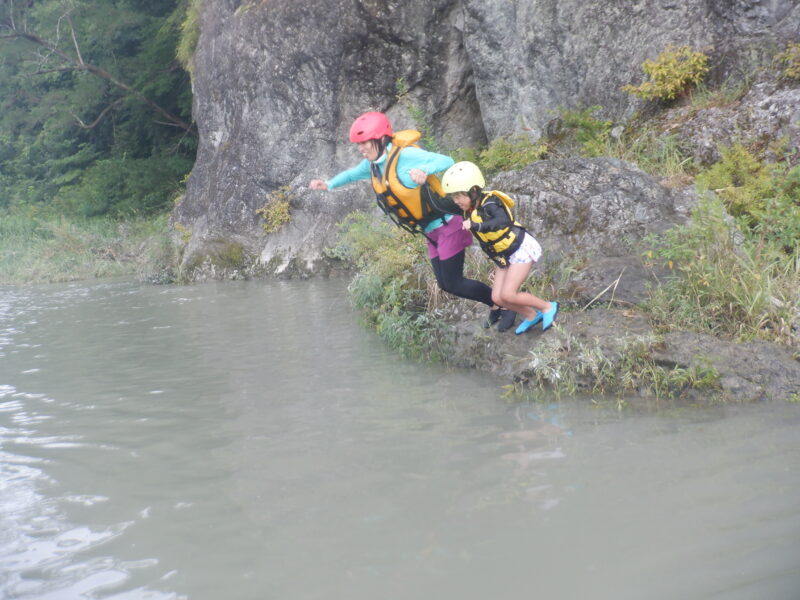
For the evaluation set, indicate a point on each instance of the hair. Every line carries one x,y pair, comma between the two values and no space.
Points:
474,194
381,143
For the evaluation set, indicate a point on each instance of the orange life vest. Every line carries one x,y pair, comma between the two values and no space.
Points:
409,208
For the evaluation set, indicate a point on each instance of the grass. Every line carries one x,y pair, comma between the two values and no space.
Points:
37,249
727,282
393,286
561,364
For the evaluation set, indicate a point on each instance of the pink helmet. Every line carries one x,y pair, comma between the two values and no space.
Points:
370,126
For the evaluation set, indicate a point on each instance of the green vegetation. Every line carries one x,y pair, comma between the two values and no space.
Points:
35,249
275,211
789,61
593,135
562,364
672,74
94,107
392,285
189,31
506,153
764,197
638,143
728,281
95,136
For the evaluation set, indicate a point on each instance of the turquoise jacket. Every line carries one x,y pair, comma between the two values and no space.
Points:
410,158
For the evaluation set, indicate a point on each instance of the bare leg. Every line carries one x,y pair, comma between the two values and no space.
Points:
505,291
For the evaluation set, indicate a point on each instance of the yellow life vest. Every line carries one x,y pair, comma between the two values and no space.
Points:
410,208
501,243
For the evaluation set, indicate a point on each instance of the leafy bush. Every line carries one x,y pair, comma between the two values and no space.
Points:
765,196
275,211
507,153
189,32
672,74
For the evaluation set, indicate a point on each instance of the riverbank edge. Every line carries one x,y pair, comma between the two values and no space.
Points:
617,353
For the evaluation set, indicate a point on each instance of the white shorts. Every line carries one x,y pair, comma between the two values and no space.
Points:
529,251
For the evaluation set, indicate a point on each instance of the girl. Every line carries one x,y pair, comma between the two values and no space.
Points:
489,218
409,194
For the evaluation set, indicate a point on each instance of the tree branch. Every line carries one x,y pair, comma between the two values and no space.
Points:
74,40
100,116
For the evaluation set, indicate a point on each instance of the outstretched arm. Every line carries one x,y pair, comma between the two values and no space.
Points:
357,173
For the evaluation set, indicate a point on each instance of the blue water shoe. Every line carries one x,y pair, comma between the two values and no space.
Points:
527,324
549,316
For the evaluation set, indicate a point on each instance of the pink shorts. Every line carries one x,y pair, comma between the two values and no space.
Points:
449,239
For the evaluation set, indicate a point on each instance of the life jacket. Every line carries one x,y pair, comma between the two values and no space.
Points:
501,243
410,208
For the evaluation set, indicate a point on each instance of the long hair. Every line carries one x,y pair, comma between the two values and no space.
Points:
475,194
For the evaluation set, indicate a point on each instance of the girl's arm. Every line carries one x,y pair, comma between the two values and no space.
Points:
357,173
417,159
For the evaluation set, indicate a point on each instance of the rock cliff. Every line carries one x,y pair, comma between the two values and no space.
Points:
277,84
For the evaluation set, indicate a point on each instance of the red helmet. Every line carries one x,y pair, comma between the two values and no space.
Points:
370,126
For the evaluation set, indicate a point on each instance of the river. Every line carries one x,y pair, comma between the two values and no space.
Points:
250,440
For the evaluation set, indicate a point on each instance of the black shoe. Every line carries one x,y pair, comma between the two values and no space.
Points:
494,314
506,320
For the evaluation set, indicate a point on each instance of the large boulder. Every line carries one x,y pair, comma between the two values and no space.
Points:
593,214
277,84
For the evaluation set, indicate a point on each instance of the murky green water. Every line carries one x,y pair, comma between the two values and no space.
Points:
252,441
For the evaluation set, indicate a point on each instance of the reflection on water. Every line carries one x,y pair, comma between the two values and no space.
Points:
251,440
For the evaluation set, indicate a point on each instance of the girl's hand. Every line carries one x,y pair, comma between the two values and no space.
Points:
466,224
418,176
318,184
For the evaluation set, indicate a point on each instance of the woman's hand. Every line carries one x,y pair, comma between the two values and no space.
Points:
466,225
418,176
318,184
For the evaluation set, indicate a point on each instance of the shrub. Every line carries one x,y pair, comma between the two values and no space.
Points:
591,133
507,153
189,34
764,196
672,74
275,211
123,187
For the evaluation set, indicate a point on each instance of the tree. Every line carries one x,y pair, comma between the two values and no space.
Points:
93,103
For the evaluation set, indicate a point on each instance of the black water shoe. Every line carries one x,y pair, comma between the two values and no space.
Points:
494,314
507,319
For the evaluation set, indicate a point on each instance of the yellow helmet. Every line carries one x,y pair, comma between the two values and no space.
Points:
461,177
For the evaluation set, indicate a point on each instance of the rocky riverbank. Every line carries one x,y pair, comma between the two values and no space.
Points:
274,114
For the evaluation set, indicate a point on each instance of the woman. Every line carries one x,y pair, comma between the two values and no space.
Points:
411,196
